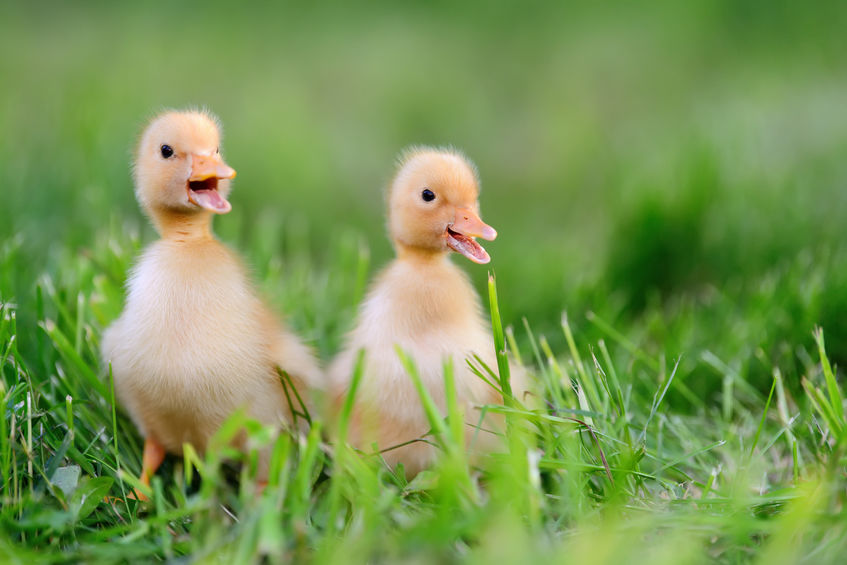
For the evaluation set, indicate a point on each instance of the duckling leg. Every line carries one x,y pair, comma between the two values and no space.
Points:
153,456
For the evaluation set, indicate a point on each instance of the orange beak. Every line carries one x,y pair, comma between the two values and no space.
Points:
202,185
469,223
204,167
461,234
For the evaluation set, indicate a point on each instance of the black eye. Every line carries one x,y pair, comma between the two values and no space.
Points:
167,151
428,195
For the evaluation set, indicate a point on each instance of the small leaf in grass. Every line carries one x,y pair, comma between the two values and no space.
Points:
89,494
66,478
423,481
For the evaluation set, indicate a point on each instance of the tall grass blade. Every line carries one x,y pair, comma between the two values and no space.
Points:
836,400
499,343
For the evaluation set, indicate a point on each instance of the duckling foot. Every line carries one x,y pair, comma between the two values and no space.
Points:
153,456
133,494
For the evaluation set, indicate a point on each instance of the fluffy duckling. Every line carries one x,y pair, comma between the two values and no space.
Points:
194,342
426,305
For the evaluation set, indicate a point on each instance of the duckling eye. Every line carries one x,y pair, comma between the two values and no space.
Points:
167,151
428,195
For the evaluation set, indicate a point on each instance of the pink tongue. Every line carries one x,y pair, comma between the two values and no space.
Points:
467,247
211,200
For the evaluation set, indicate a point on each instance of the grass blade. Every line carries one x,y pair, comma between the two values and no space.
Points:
499,342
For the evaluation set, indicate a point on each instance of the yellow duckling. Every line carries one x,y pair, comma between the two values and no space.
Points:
426,305
194,342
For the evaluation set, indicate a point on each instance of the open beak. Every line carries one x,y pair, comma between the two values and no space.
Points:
461,233
202,185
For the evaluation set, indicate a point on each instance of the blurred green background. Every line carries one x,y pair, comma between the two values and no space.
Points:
679,168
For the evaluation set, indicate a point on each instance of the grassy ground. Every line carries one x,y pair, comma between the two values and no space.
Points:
671,175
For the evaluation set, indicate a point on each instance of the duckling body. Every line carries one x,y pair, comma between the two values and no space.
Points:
194,342
425,304
432,317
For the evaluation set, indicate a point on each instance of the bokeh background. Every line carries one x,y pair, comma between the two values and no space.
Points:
678,168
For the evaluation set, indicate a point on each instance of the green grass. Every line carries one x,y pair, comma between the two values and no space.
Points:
668,183
608,469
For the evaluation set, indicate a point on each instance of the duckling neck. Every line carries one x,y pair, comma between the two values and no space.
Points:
419,255
180,226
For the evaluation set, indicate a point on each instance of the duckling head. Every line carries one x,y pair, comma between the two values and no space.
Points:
433,205
179,168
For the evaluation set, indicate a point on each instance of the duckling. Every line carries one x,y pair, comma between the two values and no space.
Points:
194,342
426,305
